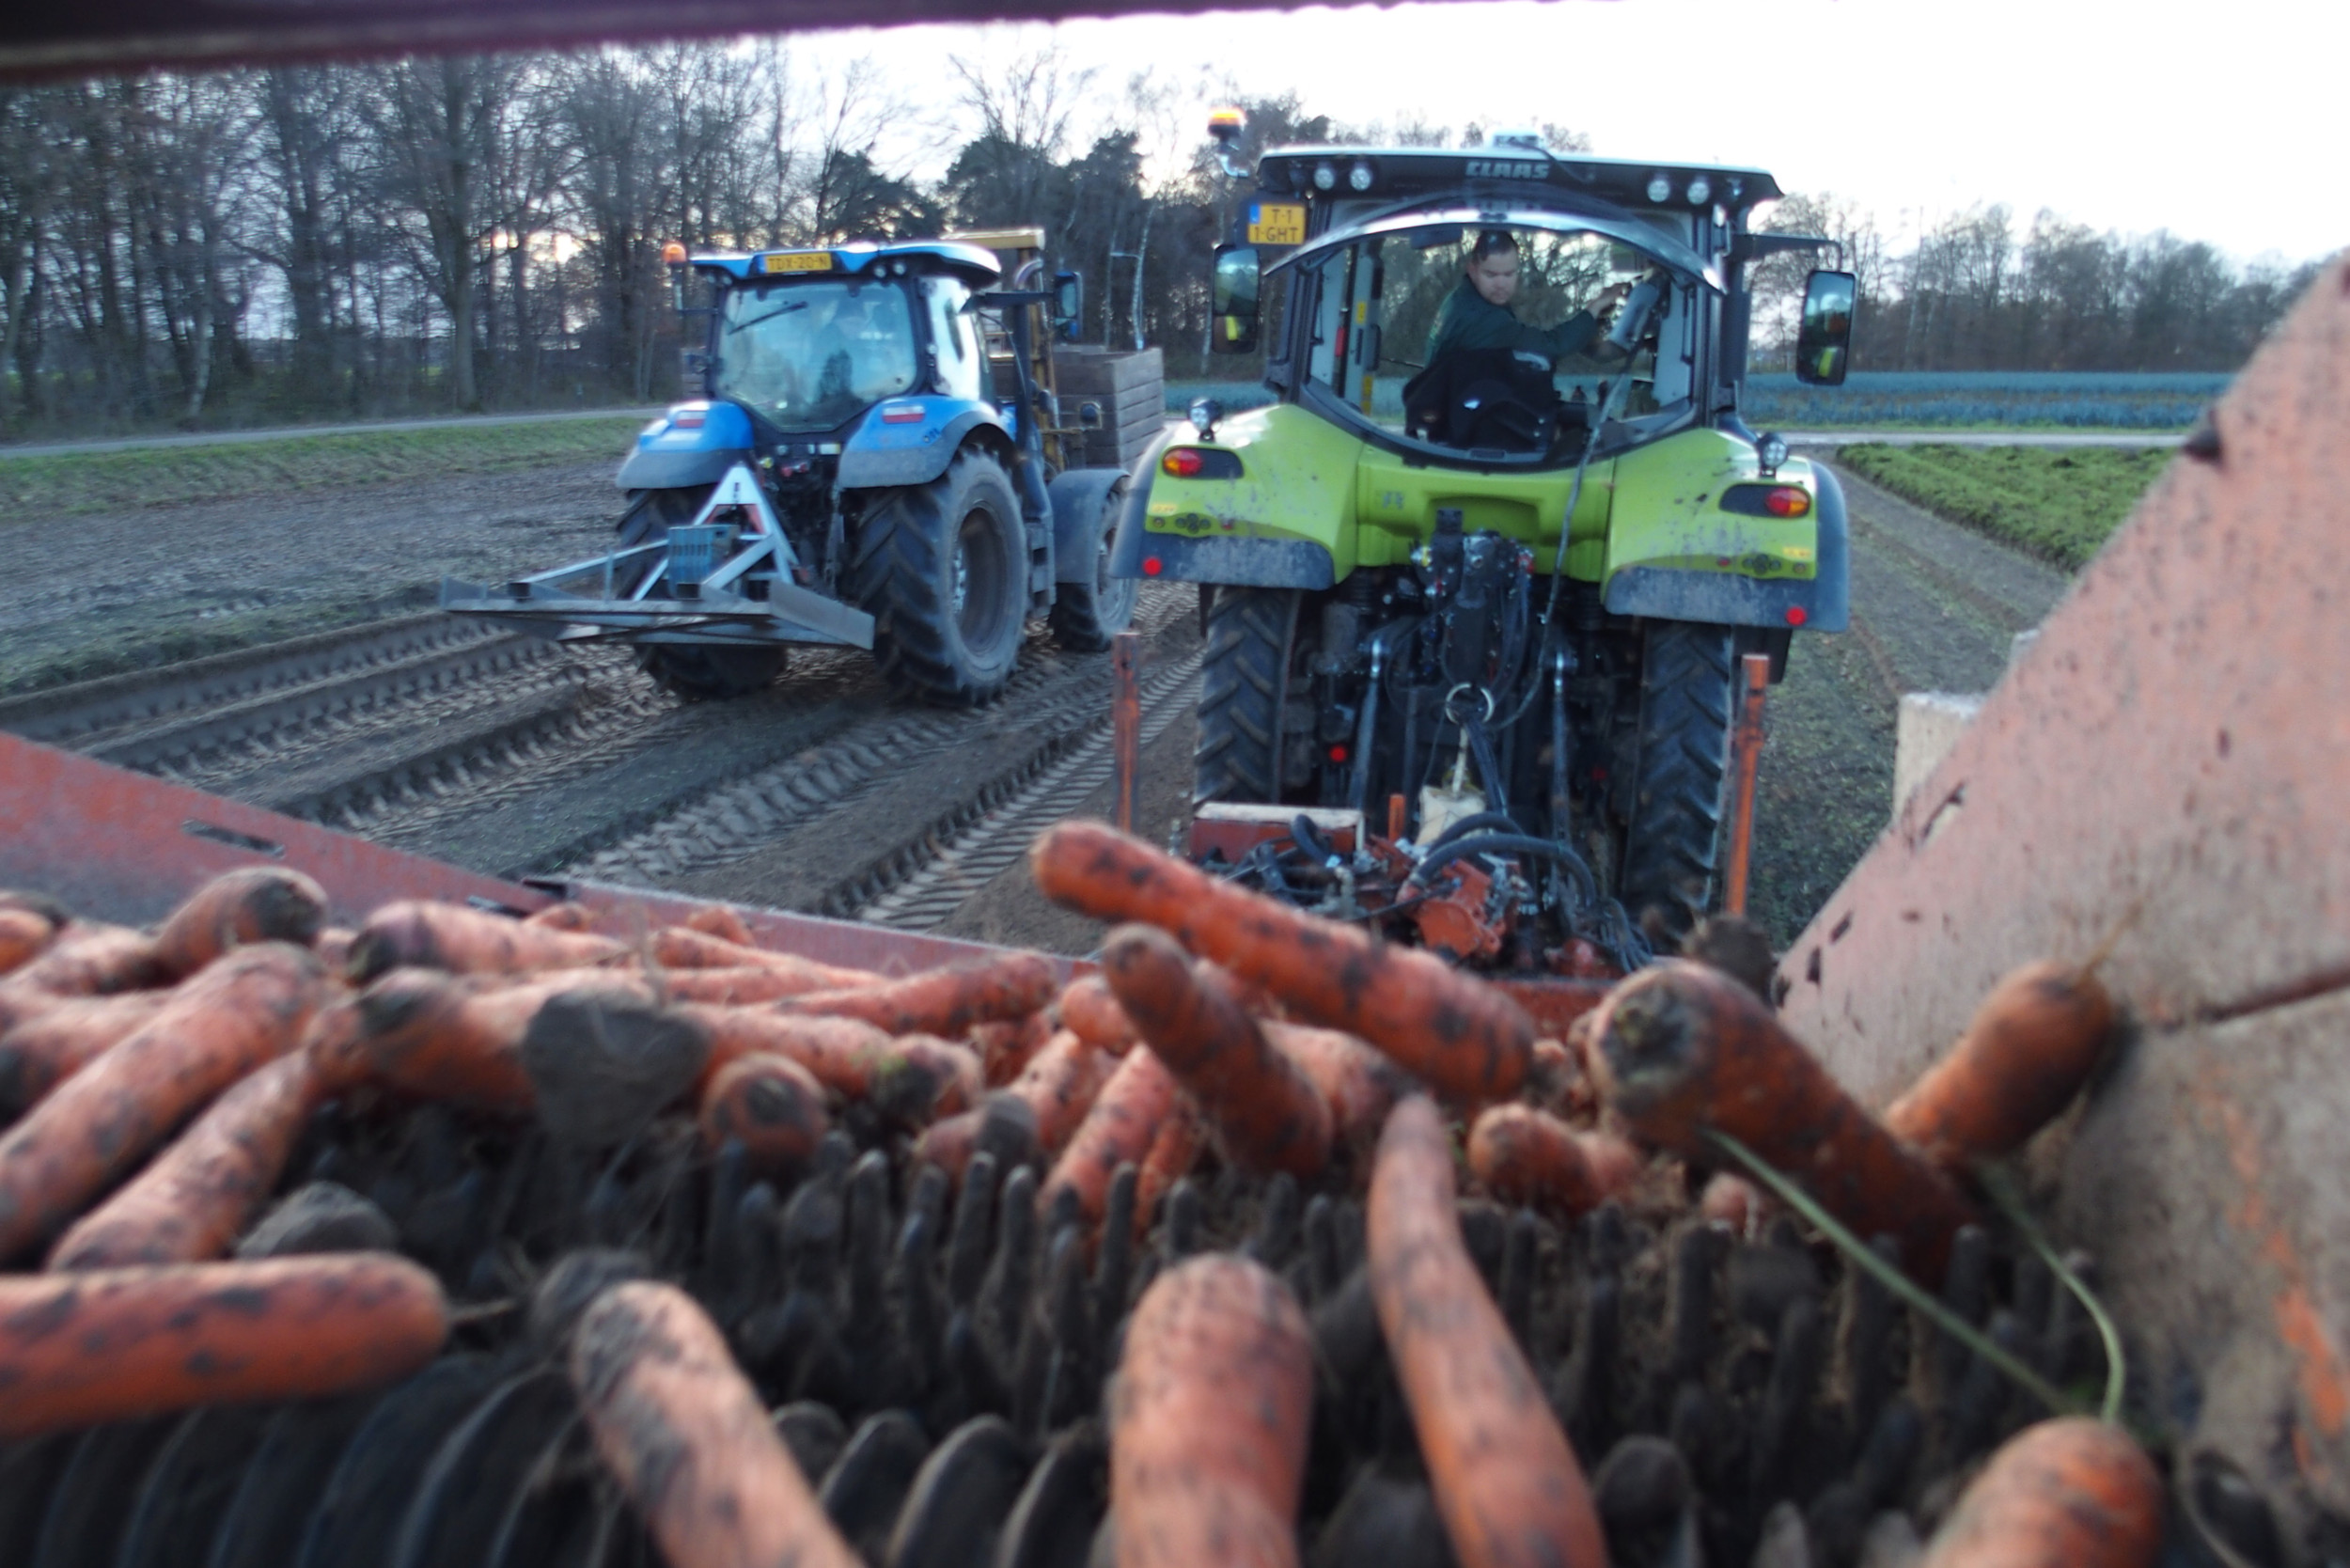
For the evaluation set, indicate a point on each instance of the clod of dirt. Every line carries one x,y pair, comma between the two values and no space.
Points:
573,1285
603,1067
322,1216
1737,946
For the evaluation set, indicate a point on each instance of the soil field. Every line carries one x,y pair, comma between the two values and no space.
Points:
823,793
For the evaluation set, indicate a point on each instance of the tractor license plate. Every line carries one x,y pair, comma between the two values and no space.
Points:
1276,222
798,261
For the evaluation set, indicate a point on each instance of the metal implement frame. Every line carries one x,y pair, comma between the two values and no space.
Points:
706,611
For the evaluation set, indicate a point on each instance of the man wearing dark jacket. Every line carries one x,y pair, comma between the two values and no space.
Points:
1477,314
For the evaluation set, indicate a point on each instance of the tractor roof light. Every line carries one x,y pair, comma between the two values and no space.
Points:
1224,122
1700,190
1359,177
1325,176
1660,188
1771,452
1205,413
673,255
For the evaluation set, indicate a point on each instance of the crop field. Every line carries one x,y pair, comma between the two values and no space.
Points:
2053,502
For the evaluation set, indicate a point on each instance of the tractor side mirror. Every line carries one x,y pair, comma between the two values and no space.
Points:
1824,340
1239,273
1069,303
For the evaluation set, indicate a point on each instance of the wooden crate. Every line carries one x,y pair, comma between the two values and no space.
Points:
1130,389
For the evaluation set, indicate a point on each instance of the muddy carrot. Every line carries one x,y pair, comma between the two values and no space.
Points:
1056,1088
682,948
743,985
1268,1115
2068,1493
453,1039
58,1042
1209,1419
1175,1148
194,1198
1007,1048
24,934
77,1350
87,959
1557,1082
718,920
562,917
467,942
231,1017
2026,1052
908,1078
236,909
1527,1156
771,1106
1118,1130
1088,1007
333,946
1358,1083
1681,1050
944,1002
1461,1038
689,1439
1507,1485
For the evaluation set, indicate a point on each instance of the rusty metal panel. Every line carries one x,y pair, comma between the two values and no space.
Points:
2167,767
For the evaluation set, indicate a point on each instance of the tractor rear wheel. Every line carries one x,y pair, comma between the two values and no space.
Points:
1245,681
942,568
1673,830
697,673
1086,614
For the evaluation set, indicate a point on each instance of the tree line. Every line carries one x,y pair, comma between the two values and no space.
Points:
468,232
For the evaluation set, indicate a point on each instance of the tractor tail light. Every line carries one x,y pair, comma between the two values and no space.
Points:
1787,501
1151,566
1767,500
910,414
1797,615
688,421
1199,462
1183,463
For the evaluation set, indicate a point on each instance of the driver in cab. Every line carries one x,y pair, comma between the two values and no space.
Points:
1477,315
1487,382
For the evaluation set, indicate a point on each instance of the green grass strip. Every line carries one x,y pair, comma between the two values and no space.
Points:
2059,504
70,484
1899,1283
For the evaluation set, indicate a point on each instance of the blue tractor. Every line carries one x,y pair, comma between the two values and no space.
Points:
858,472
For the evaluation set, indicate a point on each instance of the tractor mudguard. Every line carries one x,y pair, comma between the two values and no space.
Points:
693,444
1678,549
904,440
1285,520
1077,498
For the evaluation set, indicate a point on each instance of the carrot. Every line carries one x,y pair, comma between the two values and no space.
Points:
1007,1048
1268,1115
236,909
2068,1493
1359,1085
1088,1007
562,917
1461,1038
689,1439
1527,1156
24,934
53,1044
1058,1089
467,942
334,948
1682,1049
771,1105
942,1002
1118,1129
1209,1419
87,959
910,1078
195,1198
80,1348
716,920
1557,1082
1507,1485
741,986
450,1038
231,1017
682,947
2026,1052
1174,1150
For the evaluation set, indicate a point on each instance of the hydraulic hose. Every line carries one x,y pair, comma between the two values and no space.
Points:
1506,844
1501,820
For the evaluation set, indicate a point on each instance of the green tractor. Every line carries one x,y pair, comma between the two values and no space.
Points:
1505,584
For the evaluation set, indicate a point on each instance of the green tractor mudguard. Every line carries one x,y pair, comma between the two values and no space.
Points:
1697,533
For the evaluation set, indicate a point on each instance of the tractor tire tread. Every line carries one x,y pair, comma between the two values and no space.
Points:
1243,685
1673,840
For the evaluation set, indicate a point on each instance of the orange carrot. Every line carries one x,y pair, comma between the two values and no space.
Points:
771,1106
1058,1089
452,1037
232,1016
1557,1082
716,920
24,934
1209,1419
910,1078
942,1002
1507,1485
1088,1007
1007,1048
2026,1052
1461,1038
77,1350
87,959
236,909
1359,1084
53,1044
562,917
2068,1493
742,986
689,1439
1174,1150
681,947
1118,1130
1682,1049
1527,1156
467,942
194,1198
1268,1115
334,948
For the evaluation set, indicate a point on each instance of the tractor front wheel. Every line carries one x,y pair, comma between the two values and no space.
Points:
1088,613
1673,830
696,672
942,568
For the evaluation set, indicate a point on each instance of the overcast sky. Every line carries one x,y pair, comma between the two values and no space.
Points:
2208,120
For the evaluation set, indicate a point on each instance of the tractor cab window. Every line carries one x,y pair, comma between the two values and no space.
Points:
810,356
961,364
1404,337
